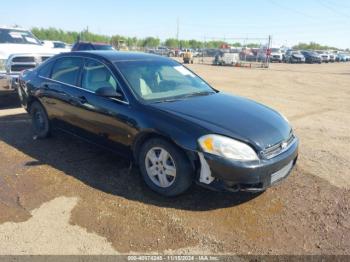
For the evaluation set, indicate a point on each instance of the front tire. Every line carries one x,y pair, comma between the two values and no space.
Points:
40,121
165,168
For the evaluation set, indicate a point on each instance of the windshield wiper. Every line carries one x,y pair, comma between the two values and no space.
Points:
185,96
167,100
205,93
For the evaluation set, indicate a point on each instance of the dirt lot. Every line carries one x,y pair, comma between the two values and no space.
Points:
62,196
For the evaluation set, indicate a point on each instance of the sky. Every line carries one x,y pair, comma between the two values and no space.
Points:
288,22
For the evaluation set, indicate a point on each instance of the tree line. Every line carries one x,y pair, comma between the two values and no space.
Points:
132,42
147,42
313,46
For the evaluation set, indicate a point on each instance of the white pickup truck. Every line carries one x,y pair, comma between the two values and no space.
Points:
19,50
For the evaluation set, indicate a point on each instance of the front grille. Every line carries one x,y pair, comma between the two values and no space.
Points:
278,148
28,61
19,68
23,59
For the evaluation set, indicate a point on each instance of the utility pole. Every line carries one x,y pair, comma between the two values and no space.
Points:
177,30
269,52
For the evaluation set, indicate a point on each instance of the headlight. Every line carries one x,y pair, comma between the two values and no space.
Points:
3,65
227,148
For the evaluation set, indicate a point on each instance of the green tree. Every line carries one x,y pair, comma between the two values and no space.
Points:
253,45
195,43
236,44
313,46
150,42
171,43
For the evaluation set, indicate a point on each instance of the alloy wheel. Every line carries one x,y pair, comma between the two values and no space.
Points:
160,167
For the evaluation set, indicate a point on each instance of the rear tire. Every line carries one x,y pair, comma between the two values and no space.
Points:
165,168
40,121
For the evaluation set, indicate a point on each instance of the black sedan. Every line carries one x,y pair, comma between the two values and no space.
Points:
169,121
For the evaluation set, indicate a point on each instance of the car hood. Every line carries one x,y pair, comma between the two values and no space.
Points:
8,49
232,116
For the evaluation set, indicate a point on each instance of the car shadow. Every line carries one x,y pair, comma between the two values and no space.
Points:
103,170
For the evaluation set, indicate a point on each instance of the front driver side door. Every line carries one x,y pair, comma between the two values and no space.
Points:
106,120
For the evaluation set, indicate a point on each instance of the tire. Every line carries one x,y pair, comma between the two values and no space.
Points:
40,121
158,158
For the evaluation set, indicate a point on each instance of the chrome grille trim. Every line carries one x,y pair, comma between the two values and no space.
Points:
18,62
278,148
23,59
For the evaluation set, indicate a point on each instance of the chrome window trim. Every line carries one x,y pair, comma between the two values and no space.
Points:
80,88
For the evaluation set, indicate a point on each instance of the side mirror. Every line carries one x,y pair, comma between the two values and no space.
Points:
108,92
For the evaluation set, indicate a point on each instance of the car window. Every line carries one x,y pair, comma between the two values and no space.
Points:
45,71
97,75
66,70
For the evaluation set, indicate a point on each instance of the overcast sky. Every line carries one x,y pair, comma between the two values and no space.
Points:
288,21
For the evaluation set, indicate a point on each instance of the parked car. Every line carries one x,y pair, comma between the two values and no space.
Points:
210,52
162,51
226,59
293,56
19,50
332,57
276,55
342,57
248,54
174,125
325,57
87,46
311,57
58,46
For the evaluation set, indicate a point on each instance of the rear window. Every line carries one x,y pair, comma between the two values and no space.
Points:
66,70
45,70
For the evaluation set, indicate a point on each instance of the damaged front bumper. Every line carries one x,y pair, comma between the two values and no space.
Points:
224,174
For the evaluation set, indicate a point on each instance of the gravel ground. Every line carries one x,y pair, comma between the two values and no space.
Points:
63,196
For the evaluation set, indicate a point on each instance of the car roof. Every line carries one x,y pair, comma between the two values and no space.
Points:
115,56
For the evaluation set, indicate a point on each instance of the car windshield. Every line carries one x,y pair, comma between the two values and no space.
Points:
103,47
12,36
275,50
157,81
